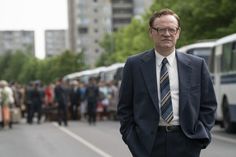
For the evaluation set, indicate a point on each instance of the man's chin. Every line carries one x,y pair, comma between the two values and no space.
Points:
167,46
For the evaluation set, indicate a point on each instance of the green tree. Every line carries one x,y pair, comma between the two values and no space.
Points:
109,47
200,20
4,63
58,66
23,68
15,65
28,72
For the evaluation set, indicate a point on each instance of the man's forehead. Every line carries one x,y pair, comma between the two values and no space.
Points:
165,19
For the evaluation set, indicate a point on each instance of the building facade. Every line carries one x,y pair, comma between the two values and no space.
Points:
55,42
12,41
90,20
122,13
124,10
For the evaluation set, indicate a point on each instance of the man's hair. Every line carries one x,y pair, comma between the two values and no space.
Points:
161,13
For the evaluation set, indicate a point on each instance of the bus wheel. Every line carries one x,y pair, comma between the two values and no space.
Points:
228,125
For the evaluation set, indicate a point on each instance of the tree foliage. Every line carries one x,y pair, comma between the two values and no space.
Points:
200,20
23,68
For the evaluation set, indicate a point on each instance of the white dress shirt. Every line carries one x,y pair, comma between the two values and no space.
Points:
174,85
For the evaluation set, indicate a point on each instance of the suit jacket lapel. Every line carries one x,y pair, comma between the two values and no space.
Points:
148,69
184,72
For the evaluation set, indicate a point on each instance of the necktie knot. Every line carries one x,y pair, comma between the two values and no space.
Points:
164,61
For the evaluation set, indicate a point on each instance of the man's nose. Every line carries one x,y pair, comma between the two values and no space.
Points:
166,32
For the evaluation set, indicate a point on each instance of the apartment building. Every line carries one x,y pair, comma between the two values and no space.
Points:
55,42
90,20
17,40
124,10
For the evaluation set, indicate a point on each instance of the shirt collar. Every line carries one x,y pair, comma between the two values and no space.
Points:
170,58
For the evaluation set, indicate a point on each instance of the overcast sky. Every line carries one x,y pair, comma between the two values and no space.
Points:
35,15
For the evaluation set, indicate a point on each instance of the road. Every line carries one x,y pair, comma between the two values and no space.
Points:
82,140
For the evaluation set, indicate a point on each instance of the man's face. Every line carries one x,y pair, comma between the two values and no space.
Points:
165,33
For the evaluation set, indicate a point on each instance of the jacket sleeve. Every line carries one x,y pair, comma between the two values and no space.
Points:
125,103
208,103
126,115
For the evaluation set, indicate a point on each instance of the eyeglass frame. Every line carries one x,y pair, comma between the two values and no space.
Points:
165,29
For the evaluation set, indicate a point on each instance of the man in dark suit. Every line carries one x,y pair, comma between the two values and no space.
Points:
167,101
61,100
74,96
92,94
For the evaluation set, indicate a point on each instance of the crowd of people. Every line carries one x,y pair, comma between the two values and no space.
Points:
60,101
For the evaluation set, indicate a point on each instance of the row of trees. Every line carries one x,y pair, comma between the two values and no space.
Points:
200,20
23,67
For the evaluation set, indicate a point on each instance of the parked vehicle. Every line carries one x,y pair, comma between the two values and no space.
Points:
220,55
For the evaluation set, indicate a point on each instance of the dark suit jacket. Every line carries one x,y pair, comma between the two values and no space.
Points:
138,108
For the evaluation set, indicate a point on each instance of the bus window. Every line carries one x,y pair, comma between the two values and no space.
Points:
119,74
226,57
211,61
204,53
234,56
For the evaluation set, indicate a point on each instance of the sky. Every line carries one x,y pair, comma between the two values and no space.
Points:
36,15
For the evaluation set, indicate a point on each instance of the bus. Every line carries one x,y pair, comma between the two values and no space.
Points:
220,55
202,49
83,76
113,72
222,65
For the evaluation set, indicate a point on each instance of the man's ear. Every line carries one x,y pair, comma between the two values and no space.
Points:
179,31
150,32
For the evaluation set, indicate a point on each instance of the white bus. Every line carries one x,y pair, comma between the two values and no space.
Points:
106,74
84,76
223,68
220,55
202,49
113,72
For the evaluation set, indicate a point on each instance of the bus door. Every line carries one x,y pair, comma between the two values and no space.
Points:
215,69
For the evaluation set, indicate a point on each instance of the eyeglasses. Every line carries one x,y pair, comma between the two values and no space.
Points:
161,31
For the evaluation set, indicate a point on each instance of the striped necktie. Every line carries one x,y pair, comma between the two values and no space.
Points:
166,104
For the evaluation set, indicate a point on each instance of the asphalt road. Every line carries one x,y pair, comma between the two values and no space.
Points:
82,140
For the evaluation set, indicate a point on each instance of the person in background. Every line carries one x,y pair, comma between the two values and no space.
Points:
167,102
103,100
37,101
113,98
7,100
48,101
74,95
83,102
92,95
28,101
61,100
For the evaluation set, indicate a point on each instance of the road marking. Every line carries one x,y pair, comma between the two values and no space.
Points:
224,139
83,141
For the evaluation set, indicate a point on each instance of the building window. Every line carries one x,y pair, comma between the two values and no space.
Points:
96,30
234,56
123,11
96,41
95,20
97,50
226,65
95,0
121,20
83,30
95,10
